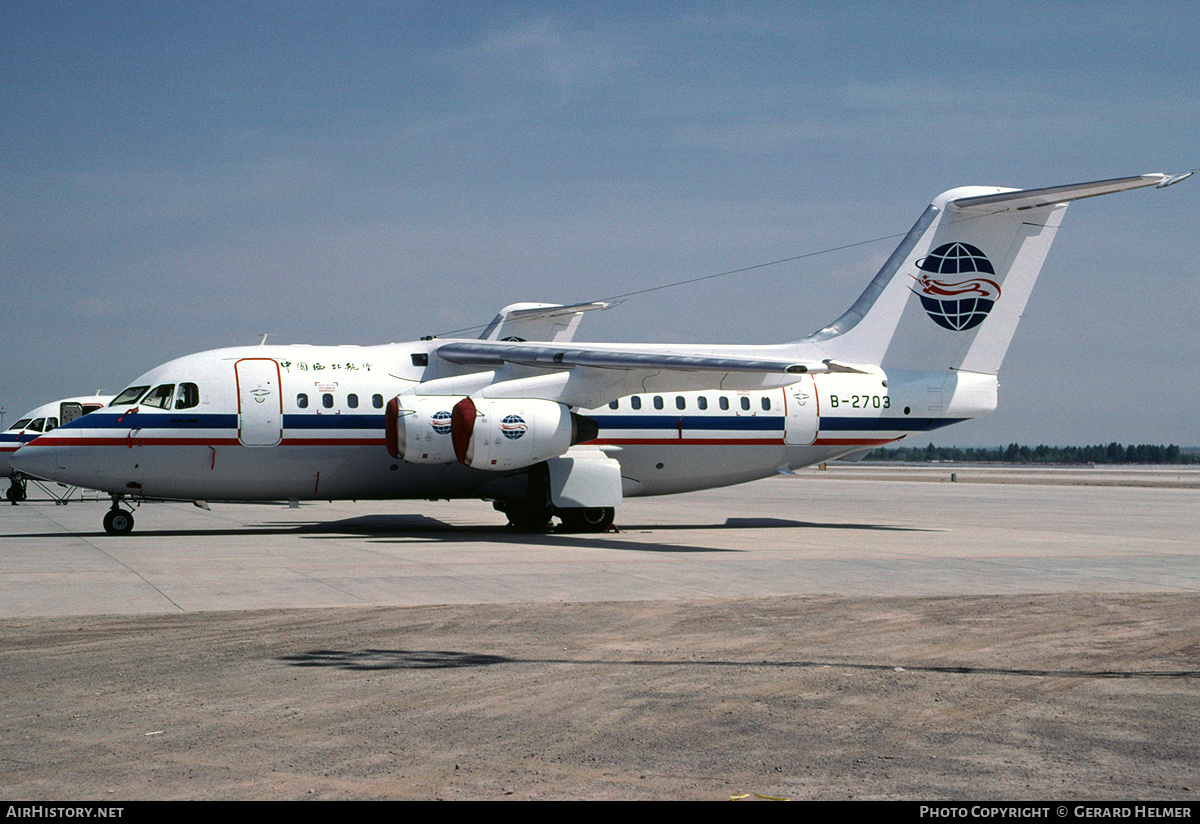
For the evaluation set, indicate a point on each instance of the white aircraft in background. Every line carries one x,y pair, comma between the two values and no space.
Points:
46,417
555,428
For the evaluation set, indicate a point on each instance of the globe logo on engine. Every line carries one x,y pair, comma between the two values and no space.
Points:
954,302
513,427
440,421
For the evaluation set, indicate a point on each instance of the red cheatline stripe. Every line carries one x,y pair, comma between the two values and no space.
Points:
126,440
137,441
333,442
691,441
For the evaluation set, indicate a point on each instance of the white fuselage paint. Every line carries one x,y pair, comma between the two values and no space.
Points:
307,422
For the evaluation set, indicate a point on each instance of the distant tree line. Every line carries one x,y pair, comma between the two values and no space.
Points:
1114,453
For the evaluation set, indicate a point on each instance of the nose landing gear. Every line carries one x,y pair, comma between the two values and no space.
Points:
118,521
16,493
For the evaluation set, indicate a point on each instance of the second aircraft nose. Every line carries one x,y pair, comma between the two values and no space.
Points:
37,461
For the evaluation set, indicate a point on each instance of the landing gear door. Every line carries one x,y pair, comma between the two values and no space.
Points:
800,416
584,478
260,402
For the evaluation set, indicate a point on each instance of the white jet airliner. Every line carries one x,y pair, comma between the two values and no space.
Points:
545,427
36,422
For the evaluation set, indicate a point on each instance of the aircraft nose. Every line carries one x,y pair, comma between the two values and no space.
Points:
36,461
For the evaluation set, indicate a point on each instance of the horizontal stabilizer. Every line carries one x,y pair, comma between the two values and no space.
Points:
539,321
1036,198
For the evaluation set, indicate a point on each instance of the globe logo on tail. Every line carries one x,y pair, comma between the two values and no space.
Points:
953,301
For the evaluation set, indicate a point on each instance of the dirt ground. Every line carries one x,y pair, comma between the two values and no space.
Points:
1030,697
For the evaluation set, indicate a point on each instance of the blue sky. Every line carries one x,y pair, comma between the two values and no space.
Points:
184,176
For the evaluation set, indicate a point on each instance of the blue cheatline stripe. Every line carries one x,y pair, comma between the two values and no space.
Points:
153,420
359,422
182,420
346,420
748,423
771,423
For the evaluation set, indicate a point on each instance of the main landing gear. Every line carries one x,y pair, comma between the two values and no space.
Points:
587,519
118,521
535,512
526,518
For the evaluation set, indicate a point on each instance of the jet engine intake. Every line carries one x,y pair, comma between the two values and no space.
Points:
502,433
417,429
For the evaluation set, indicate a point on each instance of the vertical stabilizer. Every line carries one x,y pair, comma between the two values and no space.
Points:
952,293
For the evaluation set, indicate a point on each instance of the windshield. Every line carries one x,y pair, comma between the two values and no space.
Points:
160,396
130,395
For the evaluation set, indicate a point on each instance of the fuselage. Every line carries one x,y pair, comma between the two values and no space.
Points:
307,422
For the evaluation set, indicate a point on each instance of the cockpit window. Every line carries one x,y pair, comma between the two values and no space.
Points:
36,426
160,396
21,424
187,396
51,423
130,395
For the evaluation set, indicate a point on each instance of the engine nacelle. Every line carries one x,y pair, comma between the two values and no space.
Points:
502,433
417,428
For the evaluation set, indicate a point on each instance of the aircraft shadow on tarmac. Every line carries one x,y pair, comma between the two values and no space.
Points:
422,523
400,659
380,527
415,526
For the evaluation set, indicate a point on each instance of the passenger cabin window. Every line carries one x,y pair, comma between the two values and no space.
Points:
724,403
702,402
635,402
160,396
327,400
658,402
746,403
352,401
130,395
302,400
377,401
680,402
613,404
187,396
766,404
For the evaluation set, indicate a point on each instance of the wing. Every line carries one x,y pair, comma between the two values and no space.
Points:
592,375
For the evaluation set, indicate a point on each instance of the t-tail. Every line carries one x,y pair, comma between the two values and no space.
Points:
950,296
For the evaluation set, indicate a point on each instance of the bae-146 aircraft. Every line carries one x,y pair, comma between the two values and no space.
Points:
35,422
545,427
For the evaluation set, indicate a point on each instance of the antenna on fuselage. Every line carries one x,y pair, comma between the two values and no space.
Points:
263,342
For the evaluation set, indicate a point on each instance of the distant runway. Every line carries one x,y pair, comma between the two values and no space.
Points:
848,531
